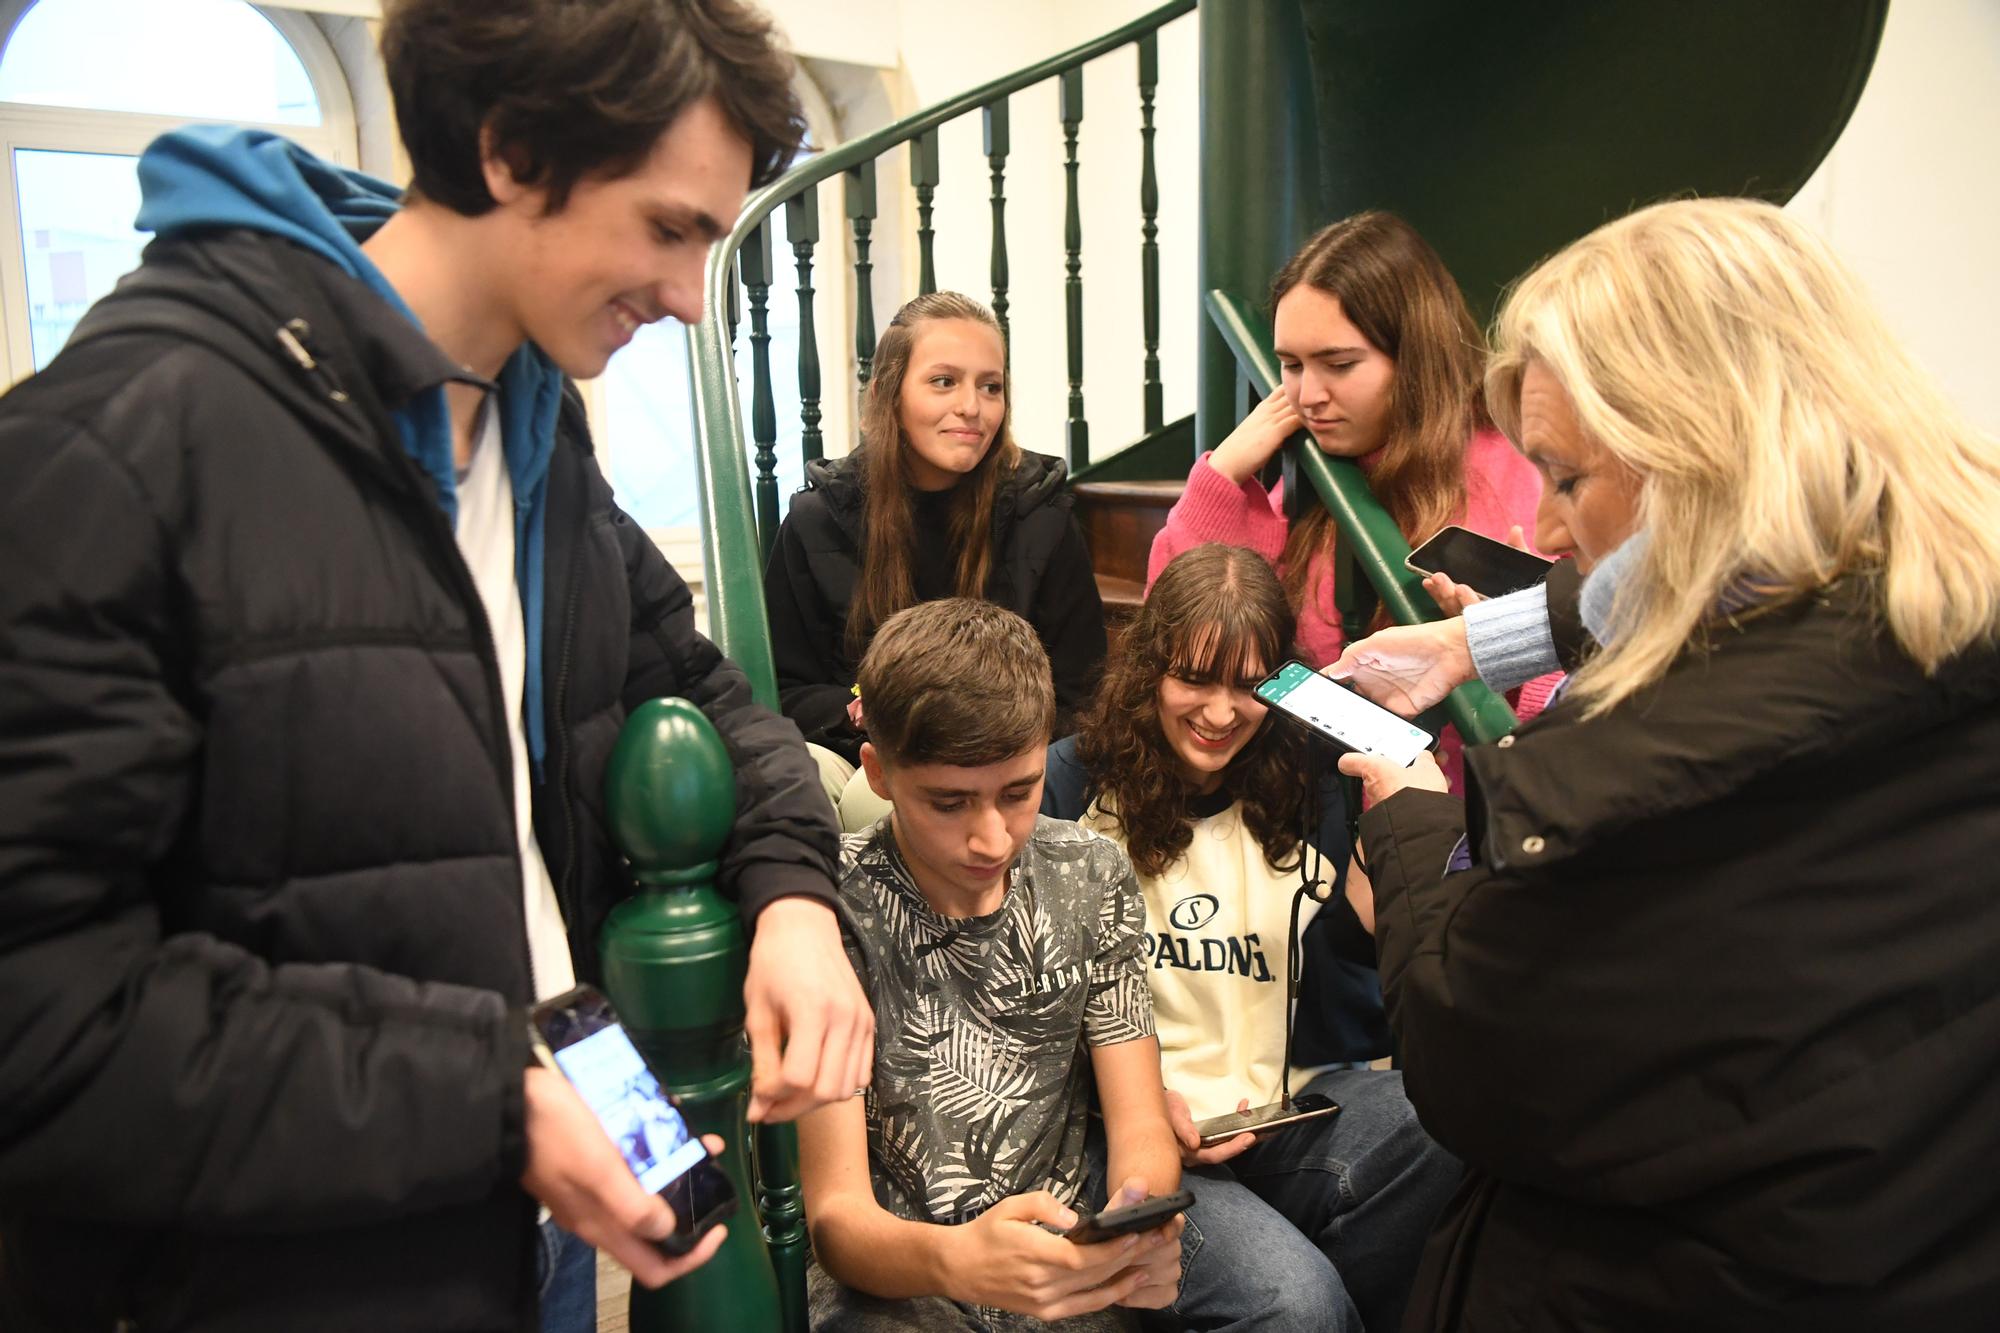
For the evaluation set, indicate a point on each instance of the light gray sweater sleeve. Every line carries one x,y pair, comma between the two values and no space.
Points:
1510,639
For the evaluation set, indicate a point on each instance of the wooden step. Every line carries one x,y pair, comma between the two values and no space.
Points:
1119,521
1121,598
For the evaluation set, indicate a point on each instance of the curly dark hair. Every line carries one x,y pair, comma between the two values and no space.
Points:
1215,613
576,88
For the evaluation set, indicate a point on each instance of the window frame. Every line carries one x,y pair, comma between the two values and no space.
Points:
31,126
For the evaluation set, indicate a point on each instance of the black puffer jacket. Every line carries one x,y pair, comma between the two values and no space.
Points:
1714,1019
260,900
1041,572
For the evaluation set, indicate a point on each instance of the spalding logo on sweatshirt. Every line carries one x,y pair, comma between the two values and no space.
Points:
1240,955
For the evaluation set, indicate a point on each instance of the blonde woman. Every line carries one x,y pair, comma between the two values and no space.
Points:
1711,1008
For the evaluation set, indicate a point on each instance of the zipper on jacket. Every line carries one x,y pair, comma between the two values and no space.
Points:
295,336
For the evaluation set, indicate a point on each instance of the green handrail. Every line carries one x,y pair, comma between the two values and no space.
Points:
736,595
1369,538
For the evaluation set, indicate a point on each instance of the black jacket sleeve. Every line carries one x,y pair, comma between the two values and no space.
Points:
1069,616
786,840
155,1077
815,678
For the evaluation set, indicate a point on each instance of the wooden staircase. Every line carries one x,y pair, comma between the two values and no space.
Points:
1119,520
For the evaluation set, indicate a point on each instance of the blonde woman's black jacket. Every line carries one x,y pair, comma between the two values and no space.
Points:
1041,572
1714,1018
260,903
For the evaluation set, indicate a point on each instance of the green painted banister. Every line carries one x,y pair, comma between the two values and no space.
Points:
734,577
1368,536
674,958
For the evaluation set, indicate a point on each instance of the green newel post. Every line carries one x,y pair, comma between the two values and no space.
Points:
674,959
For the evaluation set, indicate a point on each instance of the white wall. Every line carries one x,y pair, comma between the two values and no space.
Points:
1908,197
1910,193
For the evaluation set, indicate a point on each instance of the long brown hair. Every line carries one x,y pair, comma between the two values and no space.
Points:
886,586
1393,287
1214,613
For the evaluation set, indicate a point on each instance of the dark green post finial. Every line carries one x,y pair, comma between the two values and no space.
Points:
675,954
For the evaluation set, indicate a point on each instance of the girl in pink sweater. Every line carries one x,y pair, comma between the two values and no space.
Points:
1382,363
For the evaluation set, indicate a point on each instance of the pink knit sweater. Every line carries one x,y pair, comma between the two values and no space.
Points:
1501,490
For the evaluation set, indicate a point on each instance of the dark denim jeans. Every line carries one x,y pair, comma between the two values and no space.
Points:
566,1277
1318,1227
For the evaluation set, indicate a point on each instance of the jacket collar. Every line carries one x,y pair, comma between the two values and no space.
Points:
1036,480
1813,680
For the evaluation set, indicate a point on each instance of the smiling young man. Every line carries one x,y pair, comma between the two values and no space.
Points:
1003,953
320,625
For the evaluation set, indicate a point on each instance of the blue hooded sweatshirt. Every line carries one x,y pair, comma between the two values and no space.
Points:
216,176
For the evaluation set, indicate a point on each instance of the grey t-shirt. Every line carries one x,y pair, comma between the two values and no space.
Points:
983,1024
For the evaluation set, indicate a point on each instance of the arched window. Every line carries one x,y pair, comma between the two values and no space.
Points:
85,85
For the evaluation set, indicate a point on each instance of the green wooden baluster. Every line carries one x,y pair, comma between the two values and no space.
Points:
781,1200
755,261
802,225
861,215
1149,229
924,177
1071,106
995,116
674,958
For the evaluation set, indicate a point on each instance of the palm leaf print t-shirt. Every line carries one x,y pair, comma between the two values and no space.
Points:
983,1025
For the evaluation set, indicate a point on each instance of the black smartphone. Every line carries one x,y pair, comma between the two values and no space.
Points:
1141,1216
1489,568
1341,715
1265,1119
578,1035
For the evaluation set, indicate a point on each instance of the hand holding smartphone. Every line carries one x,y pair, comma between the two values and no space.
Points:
1489,568
577,1035
1341,715
1142,1216
1262,1120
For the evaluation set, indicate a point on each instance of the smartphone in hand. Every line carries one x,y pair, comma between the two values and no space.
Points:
1262,1120
1141,1216
1341,715
1489,568
578,1036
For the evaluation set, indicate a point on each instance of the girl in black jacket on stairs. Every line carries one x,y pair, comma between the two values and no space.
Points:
937,501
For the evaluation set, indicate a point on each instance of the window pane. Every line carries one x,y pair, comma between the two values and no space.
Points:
650,416
205,59
650,421
76,235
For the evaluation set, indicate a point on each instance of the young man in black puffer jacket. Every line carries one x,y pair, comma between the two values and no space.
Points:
317,625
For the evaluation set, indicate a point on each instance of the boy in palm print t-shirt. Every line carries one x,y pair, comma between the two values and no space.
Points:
1003,954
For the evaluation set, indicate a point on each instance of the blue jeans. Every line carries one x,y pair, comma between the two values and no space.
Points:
566,1277
1318,1227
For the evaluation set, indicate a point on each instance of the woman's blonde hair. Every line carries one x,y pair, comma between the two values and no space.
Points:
1782,437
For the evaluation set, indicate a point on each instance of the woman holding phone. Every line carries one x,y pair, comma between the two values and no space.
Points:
1381,363
1315,1226
1701,981
938,501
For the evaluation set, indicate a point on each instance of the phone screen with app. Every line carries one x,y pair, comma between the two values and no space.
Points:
609,1073
583,1037
1341,715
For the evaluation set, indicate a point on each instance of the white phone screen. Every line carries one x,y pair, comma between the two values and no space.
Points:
1338,712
